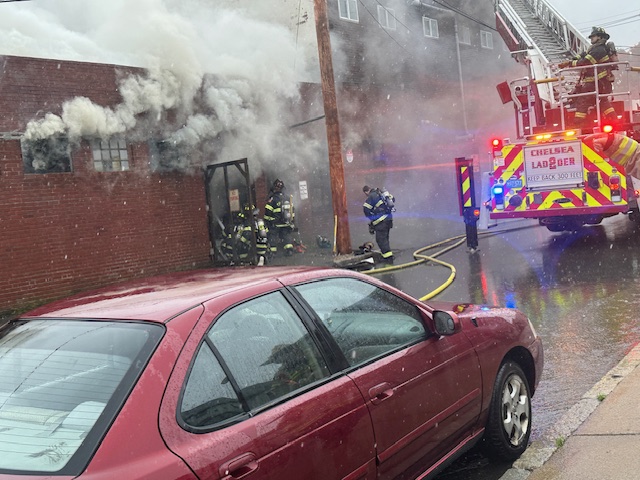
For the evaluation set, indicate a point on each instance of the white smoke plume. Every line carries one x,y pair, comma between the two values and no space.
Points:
225,75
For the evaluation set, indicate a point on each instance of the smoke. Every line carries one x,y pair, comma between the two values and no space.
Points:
216,80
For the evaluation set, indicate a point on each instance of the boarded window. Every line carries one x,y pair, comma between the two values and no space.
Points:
465,35
167,156
47,155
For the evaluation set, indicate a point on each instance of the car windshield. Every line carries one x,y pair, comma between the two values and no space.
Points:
62,380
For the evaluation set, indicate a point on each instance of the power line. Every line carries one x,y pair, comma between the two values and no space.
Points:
393,15
591,22
466,15
383,28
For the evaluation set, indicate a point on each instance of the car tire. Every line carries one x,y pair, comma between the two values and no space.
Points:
509,423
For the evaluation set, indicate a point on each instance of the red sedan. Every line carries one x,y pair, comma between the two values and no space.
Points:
260,373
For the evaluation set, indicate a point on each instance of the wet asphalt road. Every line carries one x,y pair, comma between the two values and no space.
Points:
579,289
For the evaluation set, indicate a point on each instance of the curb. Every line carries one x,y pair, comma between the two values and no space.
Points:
541,450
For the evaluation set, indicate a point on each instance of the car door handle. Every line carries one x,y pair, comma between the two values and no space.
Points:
239,467
380,392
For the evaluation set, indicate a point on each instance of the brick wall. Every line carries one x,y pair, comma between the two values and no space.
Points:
65,232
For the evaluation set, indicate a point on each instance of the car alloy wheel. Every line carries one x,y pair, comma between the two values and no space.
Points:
509,423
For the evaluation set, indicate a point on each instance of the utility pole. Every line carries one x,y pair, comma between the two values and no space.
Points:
336,167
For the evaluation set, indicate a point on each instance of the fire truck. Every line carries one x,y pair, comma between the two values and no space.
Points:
552,171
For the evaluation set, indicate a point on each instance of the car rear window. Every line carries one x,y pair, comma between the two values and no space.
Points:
62,381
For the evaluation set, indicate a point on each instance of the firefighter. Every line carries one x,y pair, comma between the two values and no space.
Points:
598,53
278,214
378,208
619,148
237,244
262,237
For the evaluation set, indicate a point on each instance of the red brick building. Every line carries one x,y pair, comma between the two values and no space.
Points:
73,227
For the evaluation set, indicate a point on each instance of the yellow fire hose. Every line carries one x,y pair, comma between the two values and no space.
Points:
420,258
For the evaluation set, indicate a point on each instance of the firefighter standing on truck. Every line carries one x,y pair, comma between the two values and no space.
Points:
378,209
278,214
598,53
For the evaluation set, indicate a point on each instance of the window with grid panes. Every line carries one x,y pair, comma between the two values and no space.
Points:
430,27
110,155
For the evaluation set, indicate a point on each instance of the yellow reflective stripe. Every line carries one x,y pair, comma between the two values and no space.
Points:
366,205
604,167
466,185
383,217
514,164
387,254
591,59
625,151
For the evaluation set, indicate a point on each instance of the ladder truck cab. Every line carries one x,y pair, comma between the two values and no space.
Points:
552,171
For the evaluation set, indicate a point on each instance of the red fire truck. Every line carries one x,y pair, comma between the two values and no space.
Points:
553,172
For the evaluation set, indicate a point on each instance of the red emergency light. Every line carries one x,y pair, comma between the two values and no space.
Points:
607,128
614,182
496,143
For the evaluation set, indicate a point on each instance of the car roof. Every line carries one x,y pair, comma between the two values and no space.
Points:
163,297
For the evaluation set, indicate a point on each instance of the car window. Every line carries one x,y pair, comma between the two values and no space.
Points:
58,379
366,321
209,397
255,354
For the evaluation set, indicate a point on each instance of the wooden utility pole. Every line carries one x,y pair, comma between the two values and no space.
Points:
336,167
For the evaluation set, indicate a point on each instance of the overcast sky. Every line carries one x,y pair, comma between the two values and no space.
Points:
620,18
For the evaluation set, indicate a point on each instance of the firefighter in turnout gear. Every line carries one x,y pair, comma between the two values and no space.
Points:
621,149
599,53
378,209
279,216
237,245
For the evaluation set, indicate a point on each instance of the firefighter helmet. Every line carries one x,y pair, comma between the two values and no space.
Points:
599,32
248,210
278,184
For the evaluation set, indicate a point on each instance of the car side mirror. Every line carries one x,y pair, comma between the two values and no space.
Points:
445,323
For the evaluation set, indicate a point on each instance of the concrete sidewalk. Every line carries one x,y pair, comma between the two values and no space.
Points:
598,439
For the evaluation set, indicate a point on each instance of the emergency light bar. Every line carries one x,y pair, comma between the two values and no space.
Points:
554,137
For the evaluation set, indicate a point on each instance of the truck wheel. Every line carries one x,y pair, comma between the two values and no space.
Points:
509,423
555,227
